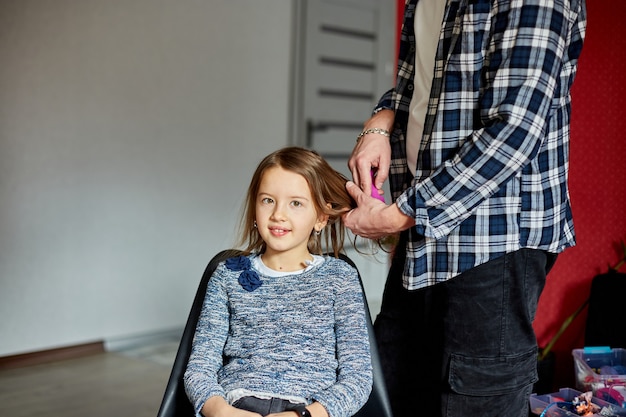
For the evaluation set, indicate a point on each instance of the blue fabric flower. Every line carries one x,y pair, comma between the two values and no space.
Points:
248,279
238,263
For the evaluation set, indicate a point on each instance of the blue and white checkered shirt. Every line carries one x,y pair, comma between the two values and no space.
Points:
493,161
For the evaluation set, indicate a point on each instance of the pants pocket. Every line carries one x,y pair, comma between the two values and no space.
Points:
479,376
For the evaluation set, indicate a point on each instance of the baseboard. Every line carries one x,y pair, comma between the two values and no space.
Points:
76,351
118,344
51,355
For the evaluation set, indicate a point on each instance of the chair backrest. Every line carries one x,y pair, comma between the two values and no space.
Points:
377,404
175,402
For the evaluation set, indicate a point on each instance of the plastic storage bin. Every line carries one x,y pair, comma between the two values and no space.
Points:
538,404
597,368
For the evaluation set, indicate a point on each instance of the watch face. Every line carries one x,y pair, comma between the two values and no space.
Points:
303,411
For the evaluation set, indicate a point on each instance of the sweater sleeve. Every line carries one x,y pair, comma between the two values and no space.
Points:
354,373
200,377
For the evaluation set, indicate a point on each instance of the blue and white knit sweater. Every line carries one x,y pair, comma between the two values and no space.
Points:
296,336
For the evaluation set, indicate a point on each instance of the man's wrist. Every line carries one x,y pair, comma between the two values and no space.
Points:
376,130
397,220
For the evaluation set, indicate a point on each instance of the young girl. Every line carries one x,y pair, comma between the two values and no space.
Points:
283,328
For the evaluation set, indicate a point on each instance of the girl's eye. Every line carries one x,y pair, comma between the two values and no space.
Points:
267,200
296,203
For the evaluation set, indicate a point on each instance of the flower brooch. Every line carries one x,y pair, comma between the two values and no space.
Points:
248,279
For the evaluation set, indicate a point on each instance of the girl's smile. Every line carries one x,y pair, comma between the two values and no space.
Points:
278,231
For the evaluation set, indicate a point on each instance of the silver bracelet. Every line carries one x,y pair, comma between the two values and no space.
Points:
373,130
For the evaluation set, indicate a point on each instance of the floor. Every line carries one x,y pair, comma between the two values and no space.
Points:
128,382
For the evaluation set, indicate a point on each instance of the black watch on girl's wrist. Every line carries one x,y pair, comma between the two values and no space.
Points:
302,411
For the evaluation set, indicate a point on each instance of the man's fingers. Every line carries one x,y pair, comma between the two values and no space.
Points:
382,173
365,177
353,190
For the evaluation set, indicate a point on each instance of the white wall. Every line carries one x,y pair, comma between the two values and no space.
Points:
128,133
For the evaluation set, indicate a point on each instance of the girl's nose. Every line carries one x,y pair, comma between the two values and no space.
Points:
278,213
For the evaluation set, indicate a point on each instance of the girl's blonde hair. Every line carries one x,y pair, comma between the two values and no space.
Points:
328,188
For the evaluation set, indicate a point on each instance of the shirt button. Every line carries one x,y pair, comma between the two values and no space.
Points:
410,87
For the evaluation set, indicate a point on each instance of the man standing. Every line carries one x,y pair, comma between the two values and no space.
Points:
474,140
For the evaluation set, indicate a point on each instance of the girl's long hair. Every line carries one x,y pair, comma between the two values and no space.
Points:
328,188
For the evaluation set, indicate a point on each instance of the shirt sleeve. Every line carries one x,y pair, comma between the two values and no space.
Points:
354,374
530,56
200,377
385,102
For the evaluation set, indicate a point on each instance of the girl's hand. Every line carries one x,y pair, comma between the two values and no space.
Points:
218,407
242,413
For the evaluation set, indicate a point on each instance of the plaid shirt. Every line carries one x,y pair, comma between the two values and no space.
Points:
493,161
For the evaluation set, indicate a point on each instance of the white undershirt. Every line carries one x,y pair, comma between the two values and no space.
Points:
427,26
258,264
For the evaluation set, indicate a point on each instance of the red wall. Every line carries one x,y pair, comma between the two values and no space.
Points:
597,180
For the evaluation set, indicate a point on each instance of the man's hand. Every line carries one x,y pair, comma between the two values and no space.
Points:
372,218
372,152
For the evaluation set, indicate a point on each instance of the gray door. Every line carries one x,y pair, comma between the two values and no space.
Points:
344,61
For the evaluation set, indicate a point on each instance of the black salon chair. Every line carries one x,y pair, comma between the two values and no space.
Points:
175,402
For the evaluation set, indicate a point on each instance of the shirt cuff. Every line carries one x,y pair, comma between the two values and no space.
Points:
413,205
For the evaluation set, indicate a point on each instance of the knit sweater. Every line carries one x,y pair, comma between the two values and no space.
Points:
296,336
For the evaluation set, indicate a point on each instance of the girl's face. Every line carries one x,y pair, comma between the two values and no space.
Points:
286,214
